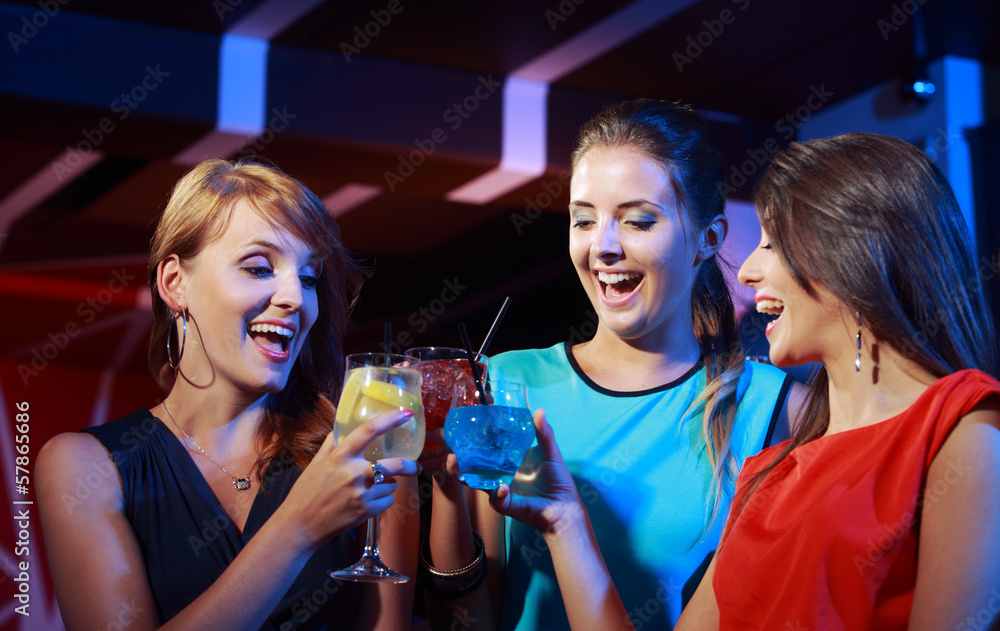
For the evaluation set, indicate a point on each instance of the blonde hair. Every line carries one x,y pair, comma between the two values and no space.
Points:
299,416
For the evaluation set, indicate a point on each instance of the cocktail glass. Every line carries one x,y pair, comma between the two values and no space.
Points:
376,383
489,439
442,368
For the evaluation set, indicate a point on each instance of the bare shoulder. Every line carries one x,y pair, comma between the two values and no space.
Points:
70,444
974,439
986,412
94,557
957,571
72,468
71,451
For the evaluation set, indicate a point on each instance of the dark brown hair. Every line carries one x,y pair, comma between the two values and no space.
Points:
680,140
871,219
298,418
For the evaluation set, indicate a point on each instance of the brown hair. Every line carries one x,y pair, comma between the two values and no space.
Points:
680,140
871,218
298,418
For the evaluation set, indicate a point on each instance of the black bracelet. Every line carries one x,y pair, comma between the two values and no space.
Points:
453,583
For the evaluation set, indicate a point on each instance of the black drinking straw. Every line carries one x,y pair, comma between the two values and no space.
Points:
476,376
495,325
388,342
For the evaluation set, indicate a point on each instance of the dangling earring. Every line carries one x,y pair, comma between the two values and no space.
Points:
184,336
857,360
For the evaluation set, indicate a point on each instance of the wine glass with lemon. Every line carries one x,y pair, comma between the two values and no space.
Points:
377,383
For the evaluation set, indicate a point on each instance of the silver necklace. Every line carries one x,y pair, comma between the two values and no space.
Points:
241,484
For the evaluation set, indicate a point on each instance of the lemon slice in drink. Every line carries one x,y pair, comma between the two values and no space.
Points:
391,395
349,396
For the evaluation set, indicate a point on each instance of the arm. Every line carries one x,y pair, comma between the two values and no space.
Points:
547,499
958,577
455,511
97,565
702,612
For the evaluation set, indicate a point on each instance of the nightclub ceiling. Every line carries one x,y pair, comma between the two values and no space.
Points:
437,132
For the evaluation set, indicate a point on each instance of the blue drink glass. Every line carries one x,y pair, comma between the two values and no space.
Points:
489,440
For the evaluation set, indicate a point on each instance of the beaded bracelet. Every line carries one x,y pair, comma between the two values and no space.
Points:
453,583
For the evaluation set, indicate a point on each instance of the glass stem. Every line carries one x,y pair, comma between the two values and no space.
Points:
371,544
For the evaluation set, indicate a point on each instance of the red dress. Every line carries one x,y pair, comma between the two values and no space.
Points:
829,539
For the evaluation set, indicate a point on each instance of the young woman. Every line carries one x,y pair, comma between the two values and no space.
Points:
228,504
658,411
882,512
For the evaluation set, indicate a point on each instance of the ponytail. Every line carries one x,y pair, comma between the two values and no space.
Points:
716,328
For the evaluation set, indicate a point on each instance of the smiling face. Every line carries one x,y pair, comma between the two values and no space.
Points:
252,295
807,329
635,252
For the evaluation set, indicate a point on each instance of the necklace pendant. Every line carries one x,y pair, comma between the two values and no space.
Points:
241,484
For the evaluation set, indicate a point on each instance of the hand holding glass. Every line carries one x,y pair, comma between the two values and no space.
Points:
489,440
376,384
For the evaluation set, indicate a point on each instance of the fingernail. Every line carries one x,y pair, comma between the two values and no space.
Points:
407,413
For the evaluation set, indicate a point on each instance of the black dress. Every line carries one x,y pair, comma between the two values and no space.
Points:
187,540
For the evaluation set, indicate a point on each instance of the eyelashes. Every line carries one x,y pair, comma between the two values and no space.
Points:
642,226
257,271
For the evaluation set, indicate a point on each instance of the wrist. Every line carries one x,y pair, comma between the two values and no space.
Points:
453,583
292,531
566,524
448,486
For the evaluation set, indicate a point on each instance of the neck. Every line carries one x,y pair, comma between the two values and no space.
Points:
640,364
212,414
886,385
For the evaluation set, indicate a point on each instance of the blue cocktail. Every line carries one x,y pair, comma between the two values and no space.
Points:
490,440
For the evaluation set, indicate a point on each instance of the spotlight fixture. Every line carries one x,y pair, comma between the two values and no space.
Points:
917,89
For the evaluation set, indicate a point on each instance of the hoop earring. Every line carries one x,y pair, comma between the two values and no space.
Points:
184,335
857,360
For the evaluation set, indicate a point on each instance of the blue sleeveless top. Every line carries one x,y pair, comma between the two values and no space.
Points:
187,540
640,466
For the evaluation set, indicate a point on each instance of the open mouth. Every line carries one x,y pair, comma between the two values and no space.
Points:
773,308
271,337
618,286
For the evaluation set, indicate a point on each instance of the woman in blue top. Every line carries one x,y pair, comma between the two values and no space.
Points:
657,412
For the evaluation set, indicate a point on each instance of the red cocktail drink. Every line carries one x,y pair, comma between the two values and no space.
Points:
442,369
